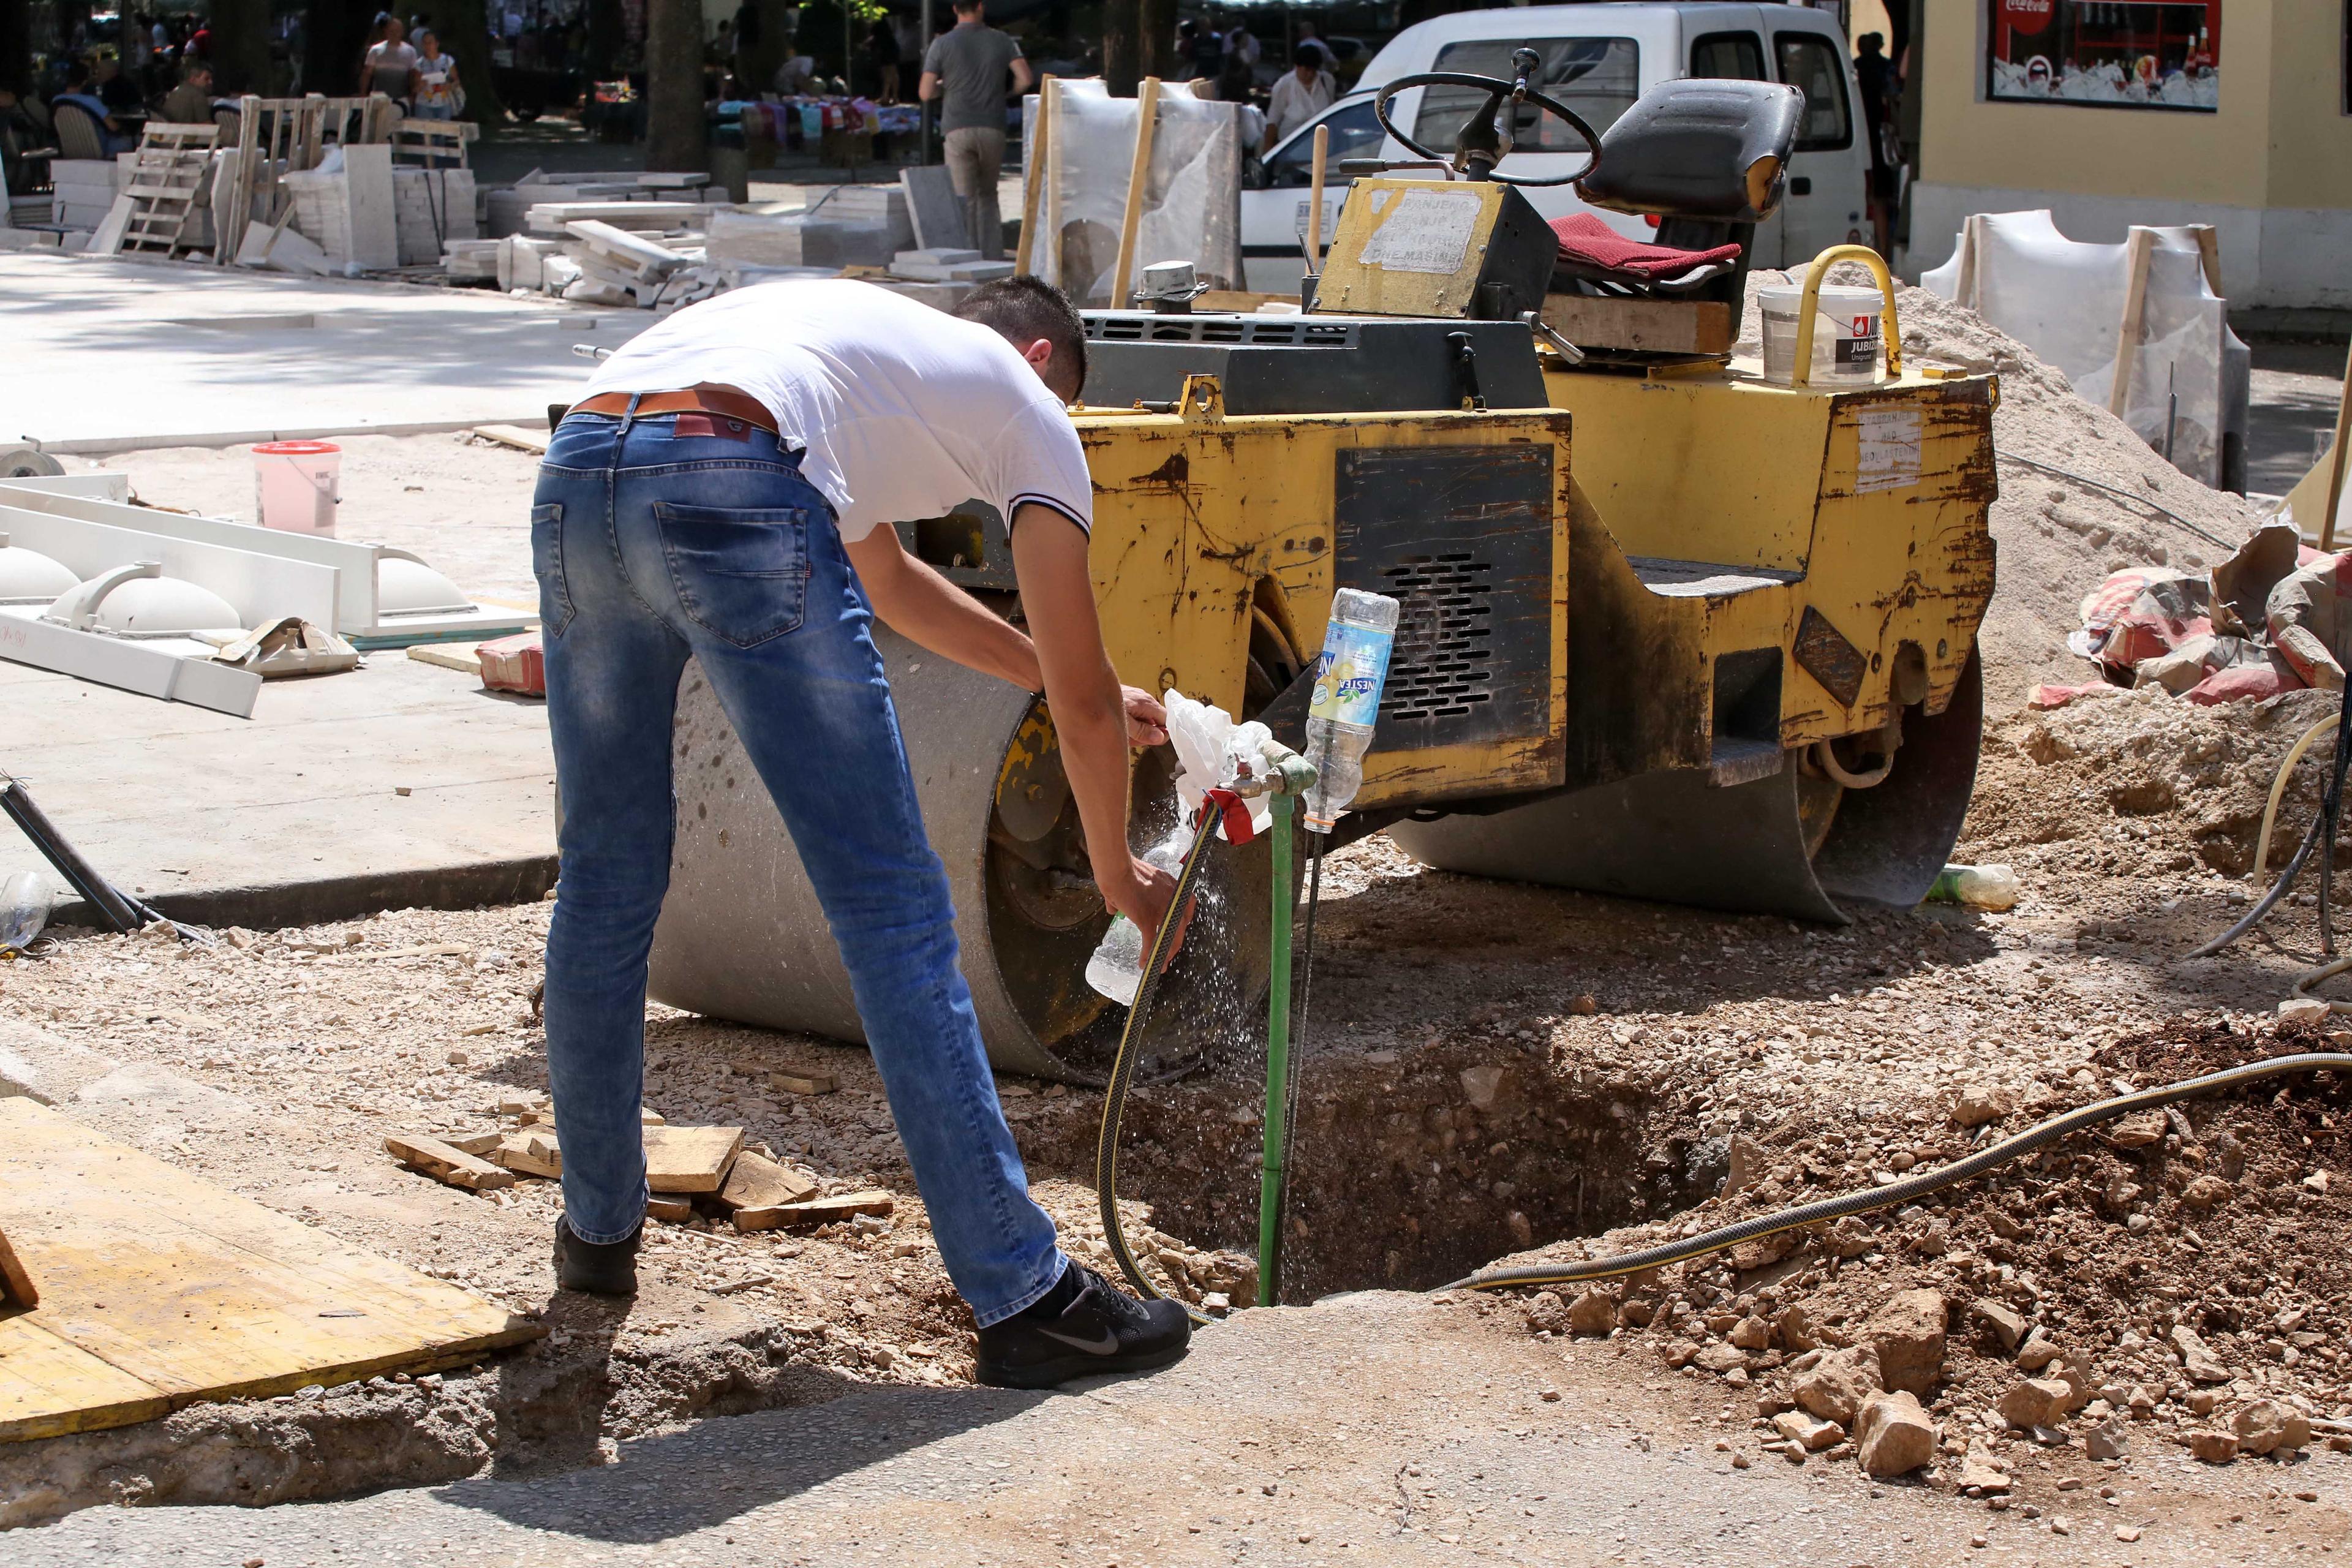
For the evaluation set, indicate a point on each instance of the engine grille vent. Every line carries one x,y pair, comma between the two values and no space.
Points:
1445,660
1274,331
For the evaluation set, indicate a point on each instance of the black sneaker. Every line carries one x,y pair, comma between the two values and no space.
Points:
599,1268
1088,1331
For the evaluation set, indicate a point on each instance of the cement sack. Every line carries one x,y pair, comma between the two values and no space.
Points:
1191,192
2064,299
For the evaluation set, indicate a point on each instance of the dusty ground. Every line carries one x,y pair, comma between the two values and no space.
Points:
1633,1044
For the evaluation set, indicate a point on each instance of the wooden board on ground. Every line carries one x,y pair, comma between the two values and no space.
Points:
446,1164
159,1289
817,1211
758,1181
529,1152
675,1207
1641,326
514,436
16,1287
690,1158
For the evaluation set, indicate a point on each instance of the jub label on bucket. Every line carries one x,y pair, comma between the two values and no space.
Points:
1348,683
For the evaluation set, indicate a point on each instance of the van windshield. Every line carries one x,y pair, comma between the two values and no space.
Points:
1598,78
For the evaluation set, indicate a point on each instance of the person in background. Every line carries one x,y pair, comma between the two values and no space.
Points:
1206,50
112,89
1238,78
438,94
111,137
882,54
966,68
1304,91
191,102
1874,74
390,65
797,76
1309,40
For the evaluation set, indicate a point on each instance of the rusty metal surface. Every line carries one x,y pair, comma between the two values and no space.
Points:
1824,653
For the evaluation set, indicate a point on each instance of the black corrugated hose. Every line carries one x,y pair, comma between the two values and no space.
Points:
1909,1187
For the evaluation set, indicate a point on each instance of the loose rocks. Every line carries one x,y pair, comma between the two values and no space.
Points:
1907,1332
1894,1436
1836,1385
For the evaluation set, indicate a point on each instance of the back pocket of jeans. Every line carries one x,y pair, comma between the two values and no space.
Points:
547,565
742,573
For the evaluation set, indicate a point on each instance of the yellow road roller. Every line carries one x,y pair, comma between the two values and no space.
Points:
1671,628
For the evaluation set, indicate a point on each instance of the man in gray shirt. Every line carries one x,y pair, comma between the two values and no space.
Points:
966,68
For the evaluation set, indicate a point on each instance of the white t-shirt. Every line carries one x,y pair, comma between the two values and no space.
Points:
903,411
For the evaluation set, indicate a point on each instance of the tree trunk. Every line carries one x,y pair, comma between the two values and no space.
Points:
1156,55
1120,59
240,47
674,113
334,36
463,29
16,45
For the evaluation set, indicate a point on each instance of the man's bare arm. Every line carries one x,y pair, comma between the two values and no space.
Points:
1090,721
1022,76
932,613
928,87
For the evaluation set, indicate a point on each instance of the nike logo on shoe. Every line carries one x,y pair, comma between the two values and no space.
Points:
1105,1345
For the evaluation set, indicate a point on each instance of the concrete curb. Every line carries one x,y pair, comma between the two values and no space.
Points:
105,446
272,905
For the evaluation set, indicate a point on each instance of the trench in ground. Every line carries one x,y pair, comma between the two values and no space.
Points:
1407,1170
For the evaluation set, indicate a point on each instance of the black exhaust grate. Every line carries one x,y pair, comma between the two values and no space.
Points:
1445,661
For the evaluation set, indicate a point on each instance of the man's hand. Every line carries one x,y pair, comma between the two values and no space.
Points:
1143,896
1147,720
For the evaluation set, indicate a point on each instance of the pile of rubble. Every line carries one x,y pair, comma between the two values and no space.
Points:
2171,1278
660,242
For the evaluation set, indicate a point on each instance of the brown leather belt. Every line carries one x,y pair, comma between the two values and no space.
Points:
693,400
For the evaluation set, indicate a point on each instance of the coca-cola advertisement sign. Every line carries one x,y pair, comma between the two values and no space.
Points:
2113,54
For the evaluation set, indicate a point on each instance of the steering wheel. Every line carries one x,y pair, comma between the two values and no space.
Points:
1483,142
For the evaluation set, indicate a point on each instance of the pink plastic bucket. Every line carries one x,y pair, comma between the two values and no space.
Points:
297,485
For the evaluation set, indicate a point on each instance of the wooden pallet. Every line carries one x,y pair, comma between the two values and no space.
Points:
280,136
165,184
433,143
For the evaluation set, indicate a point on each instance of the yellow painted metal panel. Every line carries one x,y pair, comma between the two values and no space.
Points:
202,1294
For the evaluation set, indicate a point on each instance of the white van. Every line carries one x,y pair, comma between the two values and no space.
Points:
1598,59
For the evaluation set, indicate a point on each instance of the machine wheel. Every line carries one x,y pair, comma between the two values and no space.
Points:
741,935
29,463
1794,844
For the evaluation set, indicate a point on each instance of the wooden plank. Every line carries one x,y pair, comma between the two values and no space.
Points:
817,1211
50,1387
203,1294
16,1287
445,1163
1641,326
758,1181
690,1158
514,436
447,656
1147,121
1315,200
532,1152
1032,174
675,1207
803,1082
2128,333
474,1143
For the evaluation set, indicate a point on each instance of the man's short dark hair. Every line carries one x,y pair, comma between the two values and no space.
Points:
1023,308
971,8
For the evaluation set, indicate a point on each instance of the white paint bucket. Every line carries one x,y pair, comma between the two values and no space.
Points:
1846,346
297,485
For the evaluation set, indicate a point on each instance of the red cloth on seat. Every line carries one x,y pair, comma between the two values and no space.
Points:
1585,239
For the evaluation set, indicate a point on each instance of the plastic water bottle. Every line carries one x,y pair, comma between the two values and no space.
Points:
26,899
1116,968
1355,665
1977,887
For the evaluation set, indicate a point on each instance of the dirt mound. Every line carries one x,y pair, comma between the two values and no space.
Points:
2220,1217
2142,781
2059,533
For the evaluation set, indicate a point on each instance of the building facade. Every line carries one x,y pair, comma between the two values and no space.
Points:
2236,113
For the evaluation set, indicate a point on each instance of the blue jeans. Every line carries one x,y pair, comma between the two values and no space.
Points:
650,546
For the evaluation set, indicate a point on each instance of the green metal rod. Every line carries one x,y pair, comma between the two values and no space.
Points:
1277,1064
